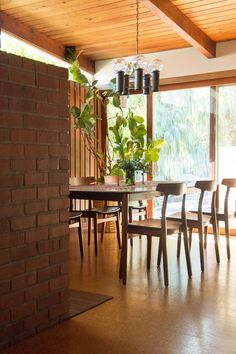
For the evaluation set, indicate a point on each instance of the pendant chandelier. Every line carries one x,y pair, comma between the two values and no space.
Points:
138,74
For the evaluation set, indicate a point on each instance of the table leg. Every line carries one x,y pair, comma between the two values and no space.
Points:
123,260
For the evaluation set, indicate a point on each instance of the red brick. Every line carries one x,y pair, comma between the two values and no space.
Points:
47,82
64,268
11,180
36,178
58,310
49,273
59,257
5,317
4,57
11,299
23,311
11,210
58,177
36,235
5,196
47,109
40,67
36,207
22,135
36,151
48,164
11,119
64,164
24,281
36,320
4,166
22,76
37,122
24,251
4,73
59,151
35,93
48,301
48,137
10,89
59,204
58,97
63,111
23,165
37,263
11,150
48,192
15,60
64,85
4,103
48,219
58,283
5,256
57,71
64,243
38,290
22,105
64,138
10,239
59,230
64,190
48,246
23,223
64,216
12,330
4,135
5,287
24,194
19,337
28,64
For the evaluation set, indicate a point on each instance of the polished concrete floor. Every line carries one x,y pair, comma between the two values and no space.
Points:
191,316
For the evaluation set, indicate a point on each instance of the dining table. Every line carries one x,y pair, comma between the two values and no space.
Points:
122,194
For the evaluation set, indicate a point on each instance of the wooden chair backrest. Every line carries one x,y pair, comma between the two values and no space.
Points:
78,181
229,183
206,186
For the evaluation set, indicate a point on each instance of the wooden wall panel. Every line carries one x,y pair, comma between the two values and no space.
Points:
82,163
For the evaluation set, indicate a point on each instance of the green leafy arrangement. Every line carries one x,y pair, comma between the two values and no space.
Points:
127,150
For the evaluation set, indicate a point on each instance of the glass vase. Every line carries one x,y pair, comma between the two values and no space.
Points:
130,178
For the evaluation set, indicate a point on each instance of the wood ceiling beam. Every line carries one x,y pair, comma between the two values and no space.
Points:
39,40
182,25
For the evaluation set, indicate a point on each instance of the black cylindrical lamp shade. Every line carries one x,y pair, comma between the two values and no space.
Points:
120,81
138,79
126,85
146,84
155,81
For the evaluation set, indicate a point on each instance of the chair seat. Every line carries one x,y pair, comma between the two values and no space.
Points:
192,219
219,213
152,227
99,210
74,215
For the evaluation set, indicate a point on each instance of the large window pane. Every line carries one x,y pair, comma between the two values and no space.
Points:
182,118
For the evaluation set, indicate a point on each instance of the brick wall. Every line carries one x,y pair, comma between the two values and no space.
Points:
33,196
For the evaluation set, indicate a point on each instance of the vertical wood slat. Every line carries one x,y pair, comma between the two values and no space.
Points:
82,163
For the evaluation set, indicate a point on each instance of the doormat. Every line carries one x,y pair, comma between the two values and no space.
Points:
81,301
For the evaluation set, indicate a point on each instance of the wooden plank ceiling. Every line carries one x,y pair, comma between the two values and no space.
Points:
106,28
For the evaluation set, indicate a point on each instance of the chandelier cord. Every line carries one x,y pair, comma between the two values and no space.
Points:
137,27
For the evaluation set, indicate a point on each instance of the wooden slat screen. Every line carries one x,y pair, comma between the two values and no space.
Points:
82,163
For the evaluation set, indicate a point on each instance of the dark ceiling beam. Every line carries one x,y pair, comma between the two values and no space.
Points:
181,24
39,40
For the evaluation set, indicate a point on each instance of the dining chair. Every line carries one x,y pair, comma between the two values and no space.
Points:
75,220
139,210
99,215
197,220
162,227
224,214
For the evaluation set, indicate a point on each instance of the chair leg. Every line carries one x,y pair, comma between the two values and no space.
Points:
130,221
216,238
89,230
149,248
118,229
227,237
187,253
205,236
95,234
190,238
103,231
200,232
179,245
80,238
165,261
159,253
